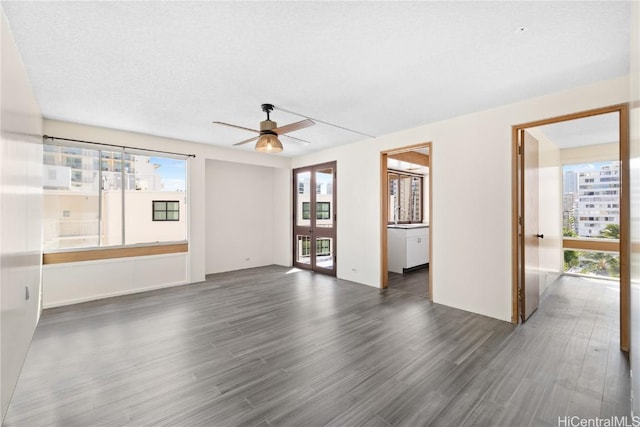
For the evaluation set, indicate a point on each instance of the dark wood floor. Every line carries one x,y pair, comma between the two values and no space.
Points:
274,347
415,282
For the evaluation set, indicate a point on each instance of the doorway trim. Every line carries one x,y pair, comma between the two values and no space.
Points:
384,212
516,249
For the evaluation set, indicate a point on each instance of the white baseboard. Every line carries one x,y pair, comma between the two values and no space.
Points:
110,295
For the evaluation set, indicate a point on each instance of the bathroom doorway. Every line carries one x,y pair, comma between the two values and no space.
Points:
406,221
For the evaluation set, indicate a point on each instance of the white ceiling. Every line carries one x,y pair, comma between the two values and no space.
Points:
170,68
600,129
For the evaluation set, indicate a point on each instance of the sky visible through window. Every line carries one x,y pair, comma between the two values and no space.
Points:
585,167
172,172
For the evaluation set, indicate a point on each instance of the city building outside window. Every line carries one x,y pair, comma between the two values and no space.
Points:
591,210
405,197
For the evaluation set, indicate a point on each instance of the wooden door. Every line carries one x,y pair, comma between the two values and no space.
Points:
530,234
314,229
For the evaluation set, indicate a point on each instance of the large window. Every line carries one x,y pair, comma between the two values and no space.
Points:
591,200
591,212
100,196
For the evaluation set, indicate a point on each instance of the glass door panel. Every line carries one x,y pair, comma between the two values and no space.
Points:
303,249
303,199
324,252
324,198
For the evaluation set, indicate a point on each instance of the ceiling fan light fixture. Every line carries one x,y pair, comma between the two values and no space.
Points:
268,143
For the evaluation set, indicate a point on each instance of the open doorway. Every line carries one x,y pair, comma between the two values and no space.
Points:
571,198
405,229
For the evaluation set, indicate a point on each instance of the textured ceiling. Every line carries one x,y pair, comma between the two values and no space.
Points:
171,68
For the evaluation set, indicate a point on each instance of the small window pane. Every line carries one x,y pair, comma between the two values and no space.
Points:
323,210
166,210
306,214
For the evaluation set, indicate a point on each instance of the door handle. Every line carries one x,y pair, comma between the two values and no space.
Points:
540,236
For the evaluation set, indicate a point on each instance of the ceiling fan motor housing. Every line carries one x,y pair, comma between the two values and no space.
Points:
266,126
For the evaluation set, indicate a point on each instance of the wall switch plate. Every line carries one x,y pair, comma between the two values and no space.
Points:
27,294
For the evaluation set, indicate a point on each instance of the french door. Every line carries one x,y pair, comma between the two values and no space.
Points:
314,213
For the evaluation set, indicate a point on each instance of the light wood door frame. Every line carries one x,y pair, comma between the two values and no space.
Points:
384,212
516,246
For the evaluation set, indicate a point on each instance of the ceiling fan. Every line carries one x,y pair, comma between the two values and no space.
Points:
268,141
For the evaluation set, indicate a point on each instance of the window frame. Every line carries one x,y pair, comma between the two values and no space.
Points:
70,147
404,174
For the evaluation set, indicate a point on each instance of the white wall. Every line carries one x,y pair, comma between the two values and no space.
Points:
20,215
590,153
549,210
471,211
190,268
282,248
77,282
140,228
243,202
